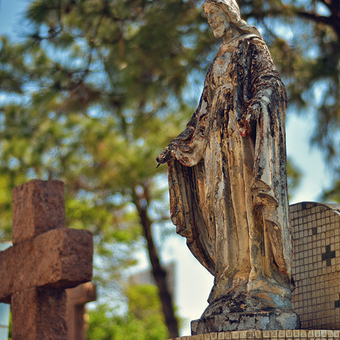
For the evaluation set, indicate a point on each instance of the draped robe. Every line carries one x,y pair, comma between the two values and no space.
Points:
227,174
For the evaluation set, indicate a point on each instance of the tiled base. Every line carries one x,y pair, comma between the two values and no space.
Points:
268,335
316,264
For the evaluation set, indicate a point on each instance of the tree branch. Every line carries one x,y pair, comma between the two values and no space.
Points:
332,21
158,271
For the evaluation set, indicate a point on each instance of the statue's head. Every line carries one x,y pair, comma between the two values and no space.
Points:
223,14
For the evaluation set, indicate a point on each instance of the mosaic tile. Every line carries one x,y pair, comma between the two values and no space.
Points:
316,261
301,334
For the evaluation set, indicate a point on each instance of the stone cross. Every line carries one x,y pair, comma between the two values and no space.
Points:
46,258
76,300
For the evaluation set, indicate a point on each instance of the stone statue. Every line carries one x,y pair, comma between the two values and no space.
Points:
228,187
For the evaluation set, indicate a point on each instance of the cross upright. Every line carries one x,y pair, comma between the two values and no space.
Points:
46,258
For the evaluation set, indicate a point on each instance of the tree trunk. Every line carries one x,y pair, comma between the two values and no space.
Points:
159,273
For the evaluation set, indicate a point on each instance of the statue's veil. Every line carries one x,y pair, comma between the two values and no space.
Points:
231,9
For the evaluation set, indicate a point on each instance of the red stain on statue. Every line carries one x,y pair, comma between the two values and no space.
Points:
245,131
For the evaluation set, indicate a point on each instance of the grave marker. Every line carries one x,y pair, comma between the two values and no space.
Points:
46,258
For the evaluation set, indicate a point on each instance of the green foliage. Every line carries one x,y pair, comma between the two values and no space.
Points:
144,320
87,100
333,194
90,97
99,87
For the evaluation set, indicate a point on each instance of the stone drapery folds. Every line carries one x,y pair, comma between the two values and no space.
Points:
227,176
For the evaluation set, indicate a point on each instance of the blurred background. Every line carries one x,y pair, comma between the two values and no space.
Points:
91,91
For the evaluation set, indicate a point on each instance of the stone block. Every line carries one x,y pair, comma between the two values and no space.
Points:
38,206
250,334
59,258
39,314
258,321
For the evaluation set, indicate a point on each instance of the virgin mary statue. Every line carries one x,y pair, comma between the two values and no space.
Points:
227,172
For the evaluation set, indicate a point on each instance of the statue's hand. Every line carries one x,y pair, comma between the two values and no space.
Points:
253,112
248,122
165,156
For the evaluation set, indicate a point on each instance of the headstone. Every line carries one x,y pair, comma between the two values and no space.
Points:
46,258
76,300
316,264
228,185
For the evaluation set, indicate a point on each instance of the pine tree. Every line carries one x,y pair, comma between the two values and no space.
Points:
97,88
94,93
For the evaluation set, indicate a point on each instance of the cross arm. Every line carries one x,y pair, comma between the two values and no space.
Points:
59,258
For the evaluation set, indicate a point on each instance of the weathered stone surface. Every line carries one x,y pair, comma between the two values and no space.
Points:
45,258
38,206
244,321
227,171
241,312
59,258
39,314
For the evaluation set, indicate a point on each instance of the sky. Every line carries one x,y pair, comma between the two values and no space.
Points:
10,11
193,282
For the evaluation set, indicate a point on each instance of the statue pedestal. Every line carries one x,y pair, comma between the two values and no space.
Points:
270,320
241,311
268,335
